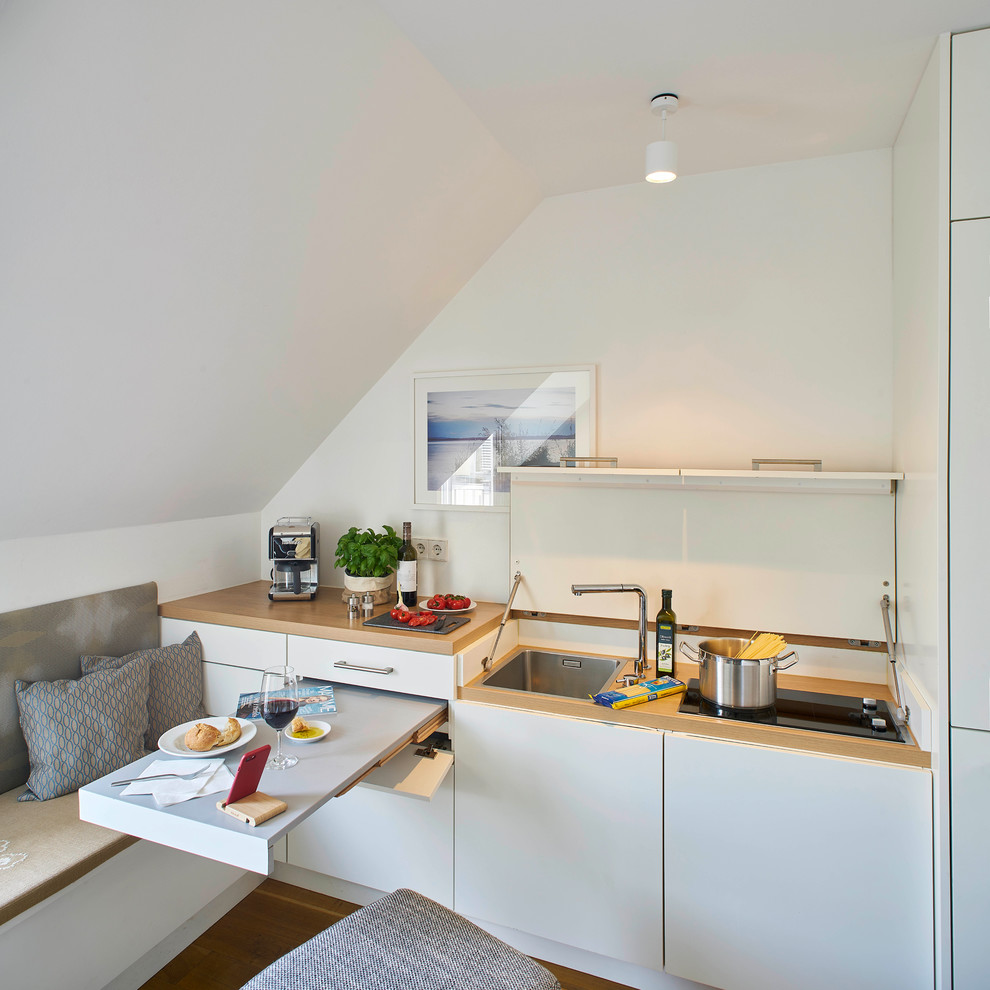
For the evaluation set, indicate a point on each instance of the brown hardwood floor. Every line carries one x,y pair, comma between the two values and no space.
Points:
273,919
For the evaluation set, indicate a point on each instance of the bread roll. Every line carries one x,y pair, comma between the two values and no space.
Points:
202,737
230,734
298,725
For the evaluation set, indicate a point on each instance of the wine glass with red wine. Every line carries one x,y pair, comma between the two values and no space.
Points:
279,704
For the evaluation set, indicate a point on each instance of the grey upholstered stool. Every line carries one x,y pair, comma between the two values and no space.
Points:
404,941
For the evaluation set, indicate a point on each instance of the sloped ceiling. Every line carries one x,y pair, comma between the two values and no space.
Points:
222,222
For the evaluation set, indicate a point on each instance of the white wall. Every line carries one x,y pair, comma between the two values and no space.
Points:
731,315
185,558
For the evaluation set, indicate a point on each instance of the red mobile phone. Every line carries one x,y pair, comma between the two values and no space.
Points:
248,774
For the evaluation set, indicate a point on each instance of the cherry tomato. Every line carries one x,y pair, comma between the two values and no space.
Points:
395,613
403,616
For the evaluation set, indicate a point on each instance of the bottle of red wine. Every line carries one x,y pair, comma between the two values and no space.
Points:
666,634
406,572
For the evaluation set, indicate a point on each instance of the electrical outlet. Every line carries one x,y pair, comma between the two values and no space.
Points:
431,549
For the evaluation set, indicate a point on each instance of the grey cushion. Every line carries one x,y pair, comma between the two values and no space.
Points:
43,643
175,692
404,941
79,730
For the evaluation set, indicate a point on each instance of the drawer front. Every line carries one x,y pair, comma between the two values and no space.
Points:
406,671
229,644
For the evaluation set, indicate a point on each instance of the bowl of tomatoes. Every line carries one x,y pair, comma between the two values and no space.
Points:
448,603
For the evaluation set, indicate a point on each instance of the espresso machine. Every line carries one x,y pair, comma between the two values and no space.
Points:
294,550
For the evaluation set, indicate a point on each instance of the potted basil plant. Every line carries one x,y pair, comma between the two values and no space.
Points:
369,560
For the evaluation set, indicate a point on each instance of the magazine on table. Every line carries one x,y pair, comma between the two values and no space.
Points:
315,697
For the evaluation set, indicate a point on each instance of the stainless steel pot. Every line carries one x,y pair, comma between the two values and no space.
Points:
729,682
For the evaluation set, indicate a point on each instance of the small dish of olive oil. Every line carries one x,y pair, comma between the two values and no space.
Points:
314,733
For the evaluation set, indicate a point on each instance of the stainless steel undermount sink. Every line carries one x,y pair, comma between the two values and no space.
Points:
569,675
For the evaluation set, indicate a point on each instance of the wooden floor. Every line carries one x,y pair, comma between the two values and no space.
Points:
270,921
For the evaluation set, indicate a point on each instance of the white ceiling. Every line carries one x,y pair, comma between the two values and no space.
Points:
565,87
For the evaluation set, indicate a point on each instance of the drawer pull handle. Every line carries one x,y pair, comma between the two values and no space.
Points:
370,670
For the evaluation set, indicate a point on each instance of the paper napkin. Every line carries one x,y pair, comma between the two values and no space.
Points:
215,777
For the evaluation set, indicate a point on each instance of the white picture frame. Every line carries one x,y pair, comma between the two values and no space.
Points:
467,424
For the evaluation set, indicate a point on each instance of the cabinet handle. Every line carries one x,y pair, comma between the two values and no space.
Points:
370,670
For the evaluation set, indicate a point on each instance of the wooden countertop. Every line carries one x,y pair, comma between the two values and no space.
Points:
325,617
663,714
247,606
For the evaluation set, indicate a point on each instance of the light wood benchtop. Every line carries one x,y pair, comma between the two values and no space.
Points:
663,714
325,617
247,606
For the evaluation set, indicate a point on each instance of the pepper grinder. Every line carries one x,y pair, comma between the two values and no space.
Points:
352,605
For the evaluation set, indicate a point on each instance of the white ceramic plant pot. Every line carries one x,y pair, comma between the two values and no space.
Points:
380,587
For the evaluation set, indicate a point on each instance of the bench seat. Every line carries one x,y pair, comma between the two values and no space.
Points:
45,847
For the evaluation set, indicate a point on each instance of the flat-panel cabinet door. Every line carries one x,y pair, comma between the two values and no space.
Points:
223,685
970,158
231,645
969,472
787,870
382,840
557,831
970,859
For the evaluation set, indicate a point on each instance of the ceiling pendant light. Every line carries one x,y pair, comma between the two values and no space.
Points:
661,156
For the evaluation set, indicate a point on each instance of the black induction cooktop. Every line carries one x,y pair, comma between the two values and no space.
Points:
866,718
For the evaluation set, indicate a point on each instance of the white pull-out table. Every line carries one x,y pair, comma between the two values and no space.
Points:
368,727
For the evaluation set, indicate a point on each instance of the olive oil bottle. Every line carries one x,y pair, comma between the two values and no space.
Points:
666,635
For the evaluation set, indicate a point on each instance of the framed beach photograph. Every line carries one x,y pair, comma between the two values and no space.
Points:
470,423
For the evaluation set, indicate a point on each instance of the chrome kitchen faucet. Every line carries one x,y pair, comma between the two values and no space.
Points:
642,663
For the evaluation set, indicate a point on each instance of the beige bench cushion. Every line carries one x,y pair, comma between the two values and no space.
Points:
45,847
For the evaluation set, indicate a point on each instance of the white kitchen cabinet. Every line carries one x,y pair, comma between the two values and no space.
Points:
557,831
970,858
382,841
374,834
969,189
223,684
253,648
386,668
787,869
969,472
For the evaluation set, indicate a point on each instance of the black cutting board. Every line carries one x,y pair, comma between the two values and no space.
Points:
385,621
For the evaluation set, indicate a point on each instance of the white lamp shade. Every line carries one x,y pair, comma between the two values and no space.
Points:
661,161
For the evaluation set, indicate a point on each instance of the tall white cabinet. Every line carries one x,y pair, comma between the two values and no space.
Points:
969,191
969,520
969,469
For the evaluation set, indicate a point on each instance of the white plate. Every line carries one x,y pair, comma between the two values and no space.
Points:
448,611
322,726
173,741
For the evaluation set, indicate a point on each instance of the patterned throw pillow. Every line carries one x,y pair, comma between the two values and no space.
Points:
78,731
176,690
